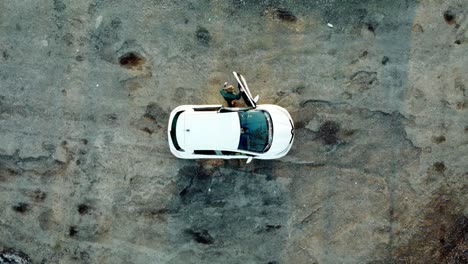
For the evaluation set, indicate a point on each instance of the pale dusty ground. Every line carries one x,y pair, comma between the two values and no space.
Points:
377,174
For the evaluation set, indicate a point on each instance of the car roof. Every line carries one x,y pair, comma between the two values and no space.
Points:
209,130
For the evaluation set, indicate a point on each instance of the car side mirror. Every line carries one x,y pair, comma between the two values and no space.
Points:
256,98
249,159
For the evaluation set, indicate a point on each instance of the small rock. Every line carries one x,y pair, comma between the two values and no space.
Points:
60,154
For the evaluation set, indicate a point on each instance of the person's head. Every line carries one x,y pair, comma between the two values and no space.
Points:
229,89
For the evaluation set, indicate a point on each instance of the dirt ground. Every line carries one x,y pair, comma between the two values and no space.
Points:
378,172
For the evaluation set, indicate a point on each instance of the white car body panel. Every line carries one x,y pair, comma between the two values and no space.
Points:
210,130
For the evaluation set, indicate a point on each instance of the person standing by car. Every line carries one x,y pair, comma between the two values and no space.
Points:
227,91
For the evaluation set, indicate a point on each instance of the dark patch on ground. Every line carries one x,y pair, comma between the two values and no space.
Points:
439,167
147,130
283,14
281,93
11,256
36,195
441,236
203,36
201,236
197,184
269,227
21,207
92,229
153,119
131,52
79,58
385,60
438,139
83,209
348,132
217,197
116,23
112,117
59,6
364,54
132,60
155,113
449,17
73,231
83,256
68,38
328,132
159,214
371,27
264,167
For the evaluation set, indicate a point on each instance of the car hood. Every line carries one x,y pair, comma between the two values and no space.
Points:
282,131
208,131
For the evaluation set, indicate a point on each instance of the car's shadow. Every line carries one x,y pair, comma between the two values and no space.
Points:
228,212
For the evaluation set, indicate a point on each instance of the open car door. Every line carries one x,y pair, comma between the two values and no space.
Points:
244,91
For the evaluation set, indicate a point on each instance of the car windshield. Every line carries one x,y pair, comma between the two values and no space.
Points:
256,131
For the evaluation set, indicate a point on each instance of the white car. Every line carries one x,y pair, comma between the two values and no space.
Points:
217,132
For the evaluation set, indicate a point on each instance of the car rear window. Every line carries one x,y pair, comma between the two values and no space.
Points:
173,131
255,131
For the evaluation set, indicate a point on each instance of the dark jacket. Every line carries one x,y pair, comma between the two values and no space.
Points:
229,96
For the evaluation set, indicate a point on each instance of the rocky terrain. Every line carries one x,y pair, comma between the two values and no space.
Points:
378,172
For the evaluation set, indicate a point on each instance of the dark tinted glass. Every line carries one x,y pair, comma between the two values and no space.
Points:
254,131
